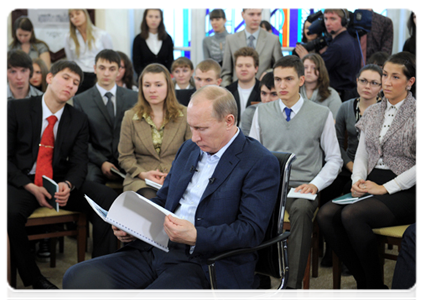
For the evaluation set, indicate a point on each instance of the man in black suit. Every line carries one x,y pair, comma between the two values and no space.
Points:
28,120
104,127
246,90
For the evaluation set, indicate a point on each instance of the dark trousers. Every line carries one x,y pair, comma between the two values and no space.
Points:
21,204
133,268
405,268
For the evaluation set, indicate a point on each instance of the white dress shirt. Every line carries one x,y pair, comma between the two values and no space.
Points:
47,113
86,58
103,92
328,143
403,181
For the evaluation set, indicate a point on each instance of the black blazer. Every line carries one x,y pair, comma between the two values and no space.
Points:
104,136
142,55
254,96
24,134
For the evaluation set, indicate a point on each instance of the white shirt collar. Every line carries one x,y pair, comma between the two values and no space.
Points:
47,113
296,107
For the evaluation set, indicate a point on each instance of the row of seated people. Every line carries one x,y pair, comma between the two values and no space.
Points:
154,44
159,111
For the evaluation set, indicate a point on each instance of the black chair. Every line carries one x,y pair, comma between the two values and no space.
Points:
273,252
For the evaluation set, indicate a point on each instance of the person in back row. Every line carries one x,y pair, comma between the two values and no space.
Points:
246,89
266,44
19,72
306,129
105,104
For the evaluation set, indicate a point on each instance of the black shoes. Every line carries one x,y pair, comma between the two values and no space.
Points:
290,294
45,290
43,249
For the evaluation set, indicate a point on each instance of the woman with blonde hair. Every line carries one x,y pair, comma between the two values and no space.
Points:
38,79
152,131
83,42
24,39
316,85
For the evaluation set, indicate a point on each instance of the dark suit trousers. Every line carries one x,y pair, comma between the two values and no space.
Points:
21,204
133,268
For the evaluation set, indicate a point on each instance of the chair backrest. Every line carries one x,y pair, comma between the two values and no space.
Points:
269,262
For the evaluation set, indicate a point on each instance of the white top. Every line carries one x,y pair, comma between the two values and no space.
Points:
244,94
403,181
189,87
328,143
86,59
154,43
47,113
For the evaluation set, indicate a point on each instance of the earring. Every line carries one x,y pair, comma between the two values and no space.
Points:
408,88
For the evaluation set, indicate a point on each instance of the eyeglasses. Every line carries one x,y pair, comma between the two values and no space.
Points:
372,83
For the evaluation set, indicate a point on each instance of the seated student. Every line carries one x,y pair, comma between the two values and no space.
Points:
182,70
214,45
207,72
19,71
38,78
316,85
105,104
125,77
212,216
384,167
24,39
152,132
267,94
45,136
246,88
368,87
305,128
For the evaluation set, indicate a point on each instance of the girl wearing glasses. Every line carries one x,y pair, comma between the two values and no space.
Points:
384,167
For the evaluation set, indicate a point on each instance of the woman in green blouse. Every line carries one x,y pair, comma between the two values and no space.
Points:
152,131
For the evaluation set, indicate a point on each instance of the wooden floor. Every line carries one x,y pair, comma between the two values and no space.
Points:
68,258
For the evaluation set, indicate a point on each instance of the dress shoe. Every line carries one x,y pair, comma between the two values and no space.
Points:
46,290
290,294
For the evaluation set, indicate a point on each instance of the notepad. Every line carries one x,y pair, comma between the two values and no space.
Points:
293,194
153,184
349,199
52,187
137,216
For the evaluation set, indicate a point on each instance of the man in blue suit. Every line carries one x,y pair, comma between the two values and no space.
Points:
222,186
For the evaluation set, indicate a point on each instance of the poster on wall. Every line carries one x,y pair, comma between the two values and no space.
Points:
50,26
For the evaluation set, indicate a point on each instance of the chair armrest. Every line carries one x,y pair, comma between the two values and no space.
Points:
279,238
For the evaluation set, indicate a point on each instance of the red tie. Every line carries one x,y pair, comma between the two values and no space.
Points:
45,153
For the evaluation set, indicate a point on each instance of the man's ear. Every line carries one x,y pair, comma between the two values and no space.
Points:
49,77
219,81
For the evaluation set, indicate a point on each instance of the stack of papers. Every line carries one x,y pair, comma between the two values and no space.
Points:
153,184
349,199
293,194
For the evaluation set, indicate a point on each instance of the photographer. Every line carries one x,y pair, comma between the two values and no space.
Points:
342,55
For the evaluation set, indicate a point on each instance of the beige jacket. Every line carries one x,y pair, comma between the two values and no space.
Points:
136,150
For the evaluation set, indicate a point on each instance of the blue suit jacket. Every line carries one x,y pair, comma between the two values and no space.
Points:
234,210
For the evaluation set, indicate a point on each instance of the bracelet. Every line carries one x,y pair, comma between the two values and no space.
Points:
69,185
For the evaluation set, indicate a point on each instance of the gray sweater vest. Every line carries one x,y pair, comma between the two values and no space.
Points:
301,136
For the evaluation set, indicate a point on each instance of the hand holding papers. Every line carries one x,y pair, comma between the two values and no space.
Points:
293,194
137,216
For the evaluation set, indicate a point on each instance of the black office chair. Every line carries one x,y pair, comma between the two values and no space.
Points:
273,252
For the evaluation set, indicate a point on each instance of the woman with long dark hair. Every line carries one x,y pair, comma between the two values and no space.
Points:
316,85
152,131
24,39
153,44
384,167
